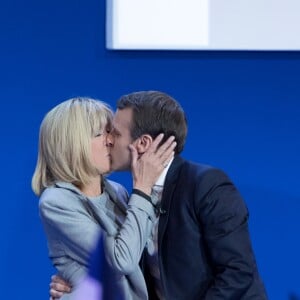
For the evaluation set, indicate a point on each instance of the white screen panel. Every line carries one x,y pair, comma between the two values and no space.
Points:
157,24
203,24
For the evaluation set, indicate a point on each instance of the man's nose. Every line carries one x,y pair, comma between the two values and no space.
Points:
109,140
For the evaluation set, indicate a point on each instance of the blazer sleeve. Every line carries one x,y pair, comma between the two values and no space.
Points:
68,223
124,248
224,218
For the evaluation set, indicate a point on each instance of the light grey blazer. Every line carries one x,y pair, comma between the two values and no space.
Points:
73,222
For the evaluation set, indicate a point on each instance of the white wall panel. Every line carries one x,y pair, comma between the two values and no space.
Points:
203,24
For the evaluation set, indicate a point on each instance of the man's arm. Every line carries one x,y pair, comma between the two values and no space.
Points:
98,284
58,287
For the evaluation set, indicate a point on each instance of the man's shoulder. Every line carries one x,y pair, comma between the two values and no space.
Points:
202,172
200,168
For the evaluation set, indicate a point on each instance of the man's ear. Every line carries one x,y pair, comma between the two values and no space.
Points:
143,143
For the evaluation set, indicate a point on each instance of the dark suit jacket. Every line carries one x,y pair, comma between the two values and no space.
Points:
204,246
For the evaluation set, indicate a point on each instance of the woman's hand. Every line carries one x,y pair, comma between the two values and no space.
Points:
147,167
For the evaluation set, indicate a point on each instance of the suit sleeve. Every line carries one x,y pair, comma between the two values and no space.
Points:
224,217
69,224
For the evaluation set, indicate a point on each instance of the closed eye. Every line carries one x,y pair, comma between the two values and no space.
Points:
115,132
98,134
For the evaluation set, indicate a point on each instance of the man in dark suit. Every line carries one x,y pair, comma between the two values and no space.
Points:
200,247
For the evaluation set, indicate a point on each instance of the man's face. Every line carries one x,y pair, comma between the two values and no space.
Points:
119,139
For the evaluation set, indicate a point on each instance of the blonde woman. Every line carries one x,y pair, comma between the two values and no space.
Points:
77,202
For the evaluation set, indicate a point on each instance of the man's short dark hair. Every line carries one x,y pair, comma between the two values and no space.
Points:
155,112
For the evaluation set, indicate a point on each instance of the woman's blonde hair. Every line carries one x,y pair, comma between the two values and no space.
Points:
65,142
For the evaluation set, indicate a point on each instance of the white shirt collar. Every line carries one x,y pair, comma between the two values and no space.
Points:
162,177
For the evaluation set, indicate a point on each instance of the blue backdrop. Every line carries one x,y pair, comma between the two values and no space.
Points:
243,110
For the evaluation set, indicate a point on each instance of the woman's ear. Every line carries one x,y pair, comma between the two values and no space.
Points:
143,143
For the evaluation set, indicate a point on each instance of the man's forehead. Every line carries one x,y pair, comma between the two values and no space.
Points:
122,117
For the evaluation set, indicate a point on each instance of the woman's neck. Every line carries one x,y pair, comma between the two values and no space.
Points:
92,189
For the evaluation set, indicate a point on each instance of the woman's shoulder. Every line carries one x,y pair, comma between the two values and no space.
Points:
116,190
116,186
60,194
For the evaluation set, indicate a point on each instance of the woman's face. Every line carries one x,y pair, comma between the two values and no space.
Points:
100,153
